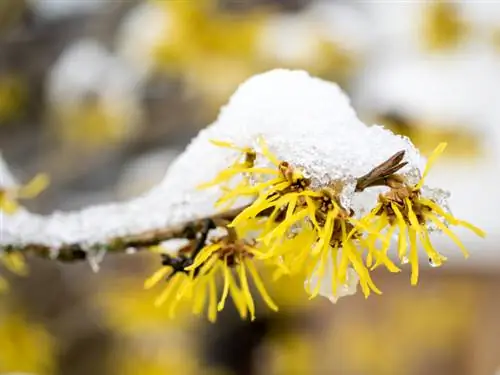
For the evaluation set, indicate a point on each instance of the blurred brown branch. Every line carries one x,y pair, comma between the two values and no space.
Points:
77,252
378,176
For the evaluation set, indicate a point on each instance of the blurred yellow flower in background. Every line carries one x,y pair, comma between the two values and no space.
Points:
305,41
198,45
291,353
9,196
463,143
92,124
25,346
199,30
443,26
214,50
405,330
146,358
15,263
94,97
13,97
134,312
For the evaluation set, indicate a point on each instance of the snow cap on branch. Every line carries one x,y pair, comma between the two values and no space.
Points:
322,189
304,120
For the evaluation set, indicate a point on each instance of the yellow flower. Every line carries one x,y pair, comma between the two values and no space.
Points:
198,31
9,196
337,241
92,124
403,207
196,280
243,164
293,354
247,170
304,228
13,260
26,347
15,263
315,232
12,98
443,25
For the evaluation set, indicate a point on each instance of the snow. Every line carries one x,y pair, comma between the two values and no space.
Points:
304,120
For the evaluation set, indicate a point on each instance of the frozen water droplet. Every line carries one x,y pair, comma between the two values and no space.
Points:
95,257
434,264
94,265
405,260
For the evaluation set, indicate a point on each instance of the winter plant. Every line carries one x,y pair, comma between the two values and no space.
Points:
286,176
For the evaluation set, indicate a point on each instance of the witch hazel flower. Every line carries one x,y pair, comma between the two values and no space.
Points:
303,176
193,275
406,208
288,177
10,194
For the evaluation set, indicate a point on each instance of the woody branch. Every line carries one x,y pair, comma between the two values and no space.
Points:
192,230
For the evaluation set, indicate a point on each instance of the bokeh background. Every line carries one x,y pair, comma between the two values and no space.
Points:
103,94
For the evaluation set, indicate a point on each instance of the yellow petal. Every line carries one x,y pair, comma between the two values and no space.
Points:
260,285
237,297
335,274
434,256
225,291
15,263
430,162
203,256
212,300
7,205
156,277
402,232
265,151
246,291
200,296
34,187
171,285
411,216
479,232
413,256
449,233
226,144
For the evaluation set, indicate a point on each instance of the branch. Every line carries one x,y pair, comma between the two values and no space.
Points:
78,251
141,241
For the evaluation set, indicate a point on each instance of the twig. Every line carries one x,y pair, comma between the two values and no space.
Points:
76,252
379,175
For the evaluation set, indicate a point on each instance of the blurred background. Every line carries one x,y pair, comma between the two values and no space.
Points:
103,94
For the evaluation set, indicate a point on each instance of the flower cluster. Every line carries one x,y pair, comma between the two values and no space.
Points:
405,207
193,273
9,196
306,229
